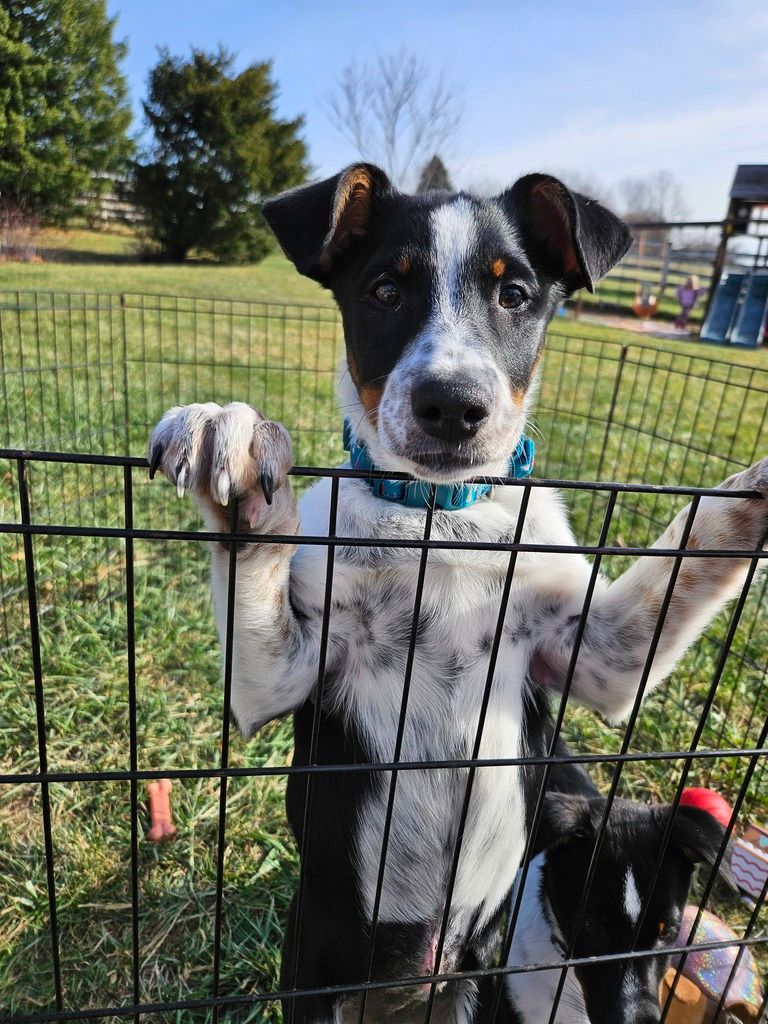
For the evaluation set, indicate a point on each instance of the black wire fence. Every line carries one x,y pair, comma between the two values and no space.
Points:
111,676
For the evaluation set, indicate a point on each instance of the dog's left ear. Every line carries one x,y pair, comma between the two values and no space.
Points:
573,237
700,837
316,223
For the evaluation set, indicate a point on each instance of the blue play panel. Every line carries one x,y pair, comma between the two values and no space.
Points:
739,311
753,313
722,312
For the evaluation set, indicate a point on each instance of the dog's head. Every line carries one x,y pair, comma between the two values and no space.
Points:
623,896
445,300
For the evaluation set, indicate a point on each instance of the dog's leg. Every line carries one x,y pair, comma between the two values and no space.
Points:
623,615
311,971
222,455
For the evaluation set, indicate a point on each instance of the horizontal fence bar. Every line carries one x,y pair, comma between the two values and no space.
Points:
372,542
140,462
395,983
127,301
376,542
118,775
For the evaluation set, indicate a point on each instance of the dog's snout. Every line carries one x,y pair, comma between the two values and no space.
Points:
642,1010
450,409
647,1015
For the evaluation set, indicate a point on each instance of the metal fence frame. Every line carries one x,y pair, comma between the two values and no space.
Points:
28,527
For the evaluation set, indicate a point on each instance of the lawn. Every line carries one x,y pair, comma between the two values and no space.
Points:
91,373
97,261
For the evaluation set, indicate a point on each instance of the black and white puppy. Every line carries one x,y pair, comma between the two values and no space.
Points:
445,301
622,898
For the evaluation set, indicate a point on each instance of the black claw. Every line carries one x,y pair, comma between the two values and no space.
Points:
267,485
154,462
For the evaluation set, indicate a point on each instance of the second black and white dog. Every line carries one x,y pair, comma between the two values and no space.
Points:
628,907
445,301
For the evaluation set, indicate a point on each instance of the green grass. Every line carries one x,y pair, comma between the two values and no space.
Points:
98,261
103,361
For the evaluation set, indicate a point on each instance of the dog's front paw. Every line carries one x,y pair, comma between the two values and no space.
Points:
223,453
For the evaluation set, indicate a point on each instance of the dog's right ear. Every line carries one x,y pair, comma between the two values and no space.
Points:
565,816
314,224
700,838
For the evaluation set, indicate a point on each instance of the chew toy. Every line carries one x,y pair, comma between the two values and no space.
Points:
706,974
161,824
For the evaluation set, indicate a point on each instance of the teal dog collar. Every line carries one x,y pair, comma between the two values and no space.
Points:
415,493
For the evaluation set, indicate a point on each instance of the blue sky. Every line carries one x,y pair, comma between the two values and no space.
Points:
603,89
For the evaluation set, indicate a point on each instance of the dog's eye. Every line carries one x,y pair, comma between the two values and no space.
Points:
386,293
511,296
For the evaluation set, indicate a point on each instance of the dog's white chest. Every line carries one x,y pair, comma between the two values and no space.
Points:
370,627
533,993
441,724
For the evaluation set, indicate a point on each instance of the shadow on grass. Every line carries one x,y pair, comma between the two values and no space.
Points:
54,255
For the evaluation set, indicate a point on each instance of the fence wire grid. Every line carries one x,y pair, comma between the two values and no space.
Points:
111,674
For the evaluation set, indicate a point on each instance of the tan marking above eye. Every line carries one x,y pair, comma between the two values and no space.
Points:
498,268
403,265
662,927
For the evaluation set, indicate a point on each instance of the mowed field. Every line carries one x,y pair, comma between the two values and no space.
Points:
91,373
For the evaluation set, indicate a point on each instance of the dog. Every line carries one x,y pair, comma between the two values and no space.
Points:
624,909
445,299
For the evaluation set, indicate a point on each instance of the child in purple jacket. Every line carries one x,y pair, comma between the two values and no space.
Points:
687,294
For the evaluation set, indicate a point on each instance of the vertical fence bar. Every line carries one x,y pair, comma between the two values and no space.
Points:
611,796
126,402
315,736
397,753
224,760
130,629
735,618
608,424
42,752
751,925
496,644
506,945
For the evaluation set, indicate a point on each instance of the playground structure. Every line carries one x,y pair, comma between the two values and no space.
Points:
737,312
729,257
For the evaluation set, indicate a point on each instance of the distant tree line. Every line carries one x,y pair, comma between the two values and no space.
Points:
216,148
64,112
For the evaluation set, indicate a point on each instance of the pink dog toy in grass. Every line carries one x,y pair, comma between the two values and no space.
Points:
161,824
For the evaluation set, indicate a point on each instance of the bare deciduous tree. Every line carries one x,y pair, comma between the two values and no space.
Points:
394,112
655,197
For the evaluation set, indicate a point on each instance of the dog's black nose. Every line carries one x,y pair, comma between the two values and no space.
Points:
451,409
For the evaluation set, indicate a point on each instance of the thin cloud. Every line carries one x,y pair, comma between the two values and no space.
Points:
700,146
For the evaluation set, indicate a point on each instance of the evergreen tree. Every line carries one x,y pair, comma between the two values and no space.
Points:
64,113
218,151
434,176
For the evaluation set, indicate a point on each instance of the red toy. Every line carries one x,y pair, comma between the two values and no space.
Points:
708,800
